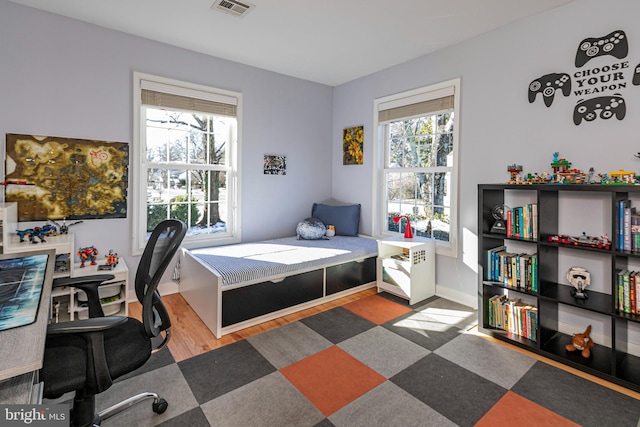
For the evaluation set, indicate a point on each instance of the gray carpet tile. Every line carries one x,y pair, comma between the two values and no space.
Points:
388,405
270,401
192,418
157,360
423,330
222,370
448,312
487,359
576,398
458,394
338,324
383,351
167,381
289,343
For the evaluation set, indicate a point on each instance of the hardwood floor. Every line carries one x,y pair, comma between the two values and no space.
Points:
191,337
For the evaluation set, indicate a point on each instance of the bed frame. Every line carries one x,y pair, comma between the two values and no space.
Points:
226,309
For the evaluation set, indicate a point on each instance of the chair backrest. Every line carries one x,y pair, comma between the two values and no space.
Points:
160,249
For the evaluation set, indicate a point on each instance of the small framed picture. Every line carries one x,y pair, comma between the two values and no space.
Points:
352,144
275,165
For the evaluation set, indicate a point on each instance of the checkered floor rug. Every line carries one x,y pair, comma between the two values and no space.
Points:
372,362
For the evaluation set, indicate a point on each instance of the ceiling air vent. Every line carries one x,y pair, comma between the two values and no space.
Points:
233,7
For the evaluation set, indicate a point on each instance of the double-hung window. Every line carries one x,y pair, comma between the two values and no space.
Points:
417,167
187,162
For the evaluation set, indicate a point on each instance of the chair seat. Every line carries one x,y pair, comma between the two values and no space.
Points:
127,347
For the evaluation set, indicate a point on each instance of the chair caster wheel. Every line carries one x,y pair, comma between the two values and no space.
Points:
160,406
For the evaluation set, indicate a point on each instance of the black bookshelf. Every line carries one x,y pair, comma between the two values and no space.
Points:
613,363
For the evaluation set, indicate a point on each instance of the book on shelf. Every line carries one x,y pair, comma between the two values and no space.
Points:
627,227
513,270
628,292
522,222
513,316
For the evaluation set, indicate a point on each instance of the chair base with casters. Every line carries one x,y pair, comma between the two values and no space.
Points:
86,356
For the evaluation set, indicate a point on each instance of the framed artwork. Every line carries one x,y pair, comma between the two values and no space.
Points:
352,143
275,165
56,178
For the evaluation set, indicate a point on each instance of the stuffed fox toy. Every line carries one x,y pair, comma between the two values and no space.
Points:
582,342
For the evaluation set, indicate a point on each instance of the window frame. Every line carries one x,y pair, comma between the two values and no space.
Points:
379,217
139,163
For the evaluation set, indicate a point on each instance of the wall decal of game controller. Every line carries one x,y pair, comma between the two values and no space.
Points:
614,44
607,106
636,75
548,84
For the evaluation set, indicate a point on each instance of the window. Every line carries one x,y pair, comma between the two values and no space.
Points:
417,149
187,165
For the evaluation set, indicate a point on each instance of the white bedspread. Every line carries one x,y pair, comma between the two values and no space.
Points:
251,261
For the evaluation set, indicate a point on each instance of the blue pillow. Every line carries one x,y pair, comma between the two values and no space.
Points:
346,219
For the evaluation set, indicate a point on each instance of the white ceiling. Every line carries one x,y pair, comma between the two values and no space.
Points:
325,41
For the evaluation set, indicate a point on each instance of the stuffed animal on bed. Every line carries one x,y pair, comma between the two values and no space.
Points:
311,229
582,342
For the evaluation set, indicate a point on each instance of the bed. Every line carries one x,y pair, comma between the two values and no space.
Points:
236,286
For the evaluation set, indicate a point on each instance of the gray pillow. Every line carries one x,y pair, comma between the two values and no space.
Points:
346,219
310,229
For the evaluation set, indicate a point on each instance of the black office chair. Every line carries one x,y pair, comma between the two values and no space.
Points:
85,356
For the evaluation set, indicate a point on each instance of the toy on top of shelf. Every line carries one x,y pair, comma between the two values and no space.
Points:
111,261
582,342
514,171
64,228
36,232
579,278
622,177
87,254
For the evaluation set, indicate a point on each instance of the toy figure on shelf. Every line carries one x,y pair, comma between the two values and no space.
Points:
582,342
579,278
87,254
622,177
514,171
111,261
32,233
64,228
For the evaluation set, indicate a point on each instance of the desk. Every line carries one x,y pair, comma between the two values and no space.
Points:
22,348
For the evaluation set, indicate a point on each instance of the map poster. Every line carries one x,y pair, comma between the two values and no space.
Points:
56,178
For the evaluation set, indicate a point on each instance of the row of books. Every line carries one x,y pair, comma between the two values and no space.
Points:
514,270
628,286
628,227
522,222
513,316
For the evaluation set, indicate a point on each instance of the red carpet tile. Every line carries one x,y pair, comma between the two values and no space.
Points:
515,410
331,379
377,309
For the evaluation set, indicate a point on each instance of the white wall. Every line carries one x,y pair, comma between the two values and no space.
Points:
498,124
62,77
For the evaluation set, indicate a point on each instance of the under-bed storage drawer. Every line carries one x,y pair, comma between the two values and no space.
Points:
252,301
350,275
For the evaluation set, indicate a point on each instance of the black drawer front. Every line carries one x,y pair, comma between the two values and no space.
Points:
351,274
262,298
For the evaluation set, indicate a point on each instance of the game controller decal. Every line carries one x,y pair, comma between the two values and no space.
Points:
547,85
598,88
604,107
614,44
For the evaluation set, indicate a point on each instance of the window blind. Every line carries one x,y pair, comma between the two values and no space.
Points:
172,97
416,105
